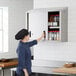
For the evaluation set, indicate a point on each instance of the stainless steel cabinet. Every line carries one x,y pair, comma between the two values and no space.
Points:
54,21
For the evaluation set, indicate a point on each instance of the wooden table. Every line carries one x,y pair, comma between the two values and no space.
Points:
8,64
71,71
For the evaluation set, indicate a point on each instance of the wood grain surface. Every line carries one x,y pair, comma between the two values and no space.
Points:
71,70
9,63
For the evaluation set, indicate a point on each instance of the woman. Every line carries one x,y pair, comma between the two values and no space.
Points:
24,52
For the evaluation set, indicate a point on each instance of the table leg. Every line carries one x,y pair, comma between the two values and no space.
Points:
2,72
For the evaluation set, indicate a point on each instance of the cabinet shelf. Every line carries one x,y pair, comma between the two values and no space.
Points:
53,31
55,15
53,27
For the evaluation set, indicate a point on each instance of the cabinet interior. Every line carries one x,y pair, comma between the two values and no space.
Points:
54,25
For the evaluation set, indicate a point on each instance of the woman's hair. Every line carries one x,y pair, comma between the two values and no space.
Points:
21,34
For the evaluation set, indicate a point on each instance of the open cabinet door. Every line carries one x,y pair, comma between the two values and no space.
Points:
64,25
37,22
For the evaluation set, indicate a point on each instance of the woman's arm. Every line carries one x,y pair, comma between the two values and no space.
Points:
42,36
25,72
34,42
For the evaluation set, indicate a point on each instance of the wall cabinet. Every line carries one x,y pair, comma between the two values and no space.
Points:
54,21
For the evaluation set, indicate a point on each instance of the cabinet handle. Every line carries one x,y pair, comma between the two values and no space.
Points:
44,35
30,33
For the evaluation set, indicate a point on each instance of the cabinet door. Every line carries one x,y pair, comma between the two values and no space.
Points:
64,24
37,22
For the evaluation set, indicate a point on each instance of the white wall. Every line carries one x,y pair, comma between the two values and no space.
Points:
16,9
67,50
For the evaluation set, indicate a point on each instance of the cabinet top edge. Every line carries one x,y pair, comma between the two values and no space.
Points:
50,8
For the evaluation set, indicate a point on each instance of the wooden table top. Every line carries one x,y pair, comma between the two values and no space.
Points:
71,70
10,63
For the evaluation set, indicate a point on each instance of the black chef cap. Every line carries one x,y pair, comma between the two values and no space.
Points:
21,34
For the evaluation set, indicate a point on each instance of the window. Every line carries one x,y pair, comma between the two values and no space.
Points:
3,29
